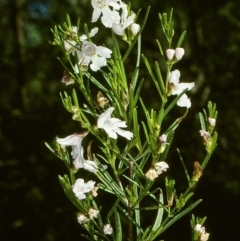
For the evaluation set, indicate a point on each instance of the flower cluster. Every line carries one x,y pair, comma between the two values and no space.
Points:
115,15
117,111
92,213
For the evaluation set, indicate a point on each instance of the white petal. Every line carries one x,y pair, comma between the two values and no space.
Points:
109,17
179,88
127,134
96,14
104,116
110,132
90,166
184,101
71,140
174,76
118,29
103,51
93,32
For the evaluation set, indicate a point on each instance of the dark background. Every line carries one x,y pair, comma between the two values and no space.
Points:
33,206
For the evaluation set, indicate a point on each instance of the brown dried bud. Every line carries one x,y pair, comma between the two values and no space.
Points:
197,172
102,101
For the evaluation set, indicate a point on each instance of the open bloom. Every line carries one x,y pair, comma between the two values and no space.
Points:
126,21
108,10
80,188
112,125
75,141
176,88
89,52
161,167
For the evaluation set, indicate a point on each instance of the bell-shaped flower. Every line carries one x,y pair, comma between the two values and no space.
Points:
97,55
75,141
112,125
80,188
176,88
125,21
108,10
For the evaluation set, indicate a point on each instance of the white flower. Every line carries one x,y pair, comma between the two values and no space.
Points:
81,218
108,16
126,21
107,229
112,125
92,33
75,141
80,188
161,167
97,55
176,88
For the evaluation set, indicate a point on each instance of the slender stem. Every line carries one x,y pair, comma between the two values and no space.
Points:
130,210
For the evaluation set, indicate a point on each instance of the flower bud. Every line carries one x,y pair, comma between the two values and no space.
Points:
198,227
179,52
170,54
135,29
212,121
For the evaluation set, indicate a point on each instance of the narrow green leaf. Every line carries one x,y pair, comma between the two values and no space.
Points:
181,39
158,219
118,226
173,220
202,121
